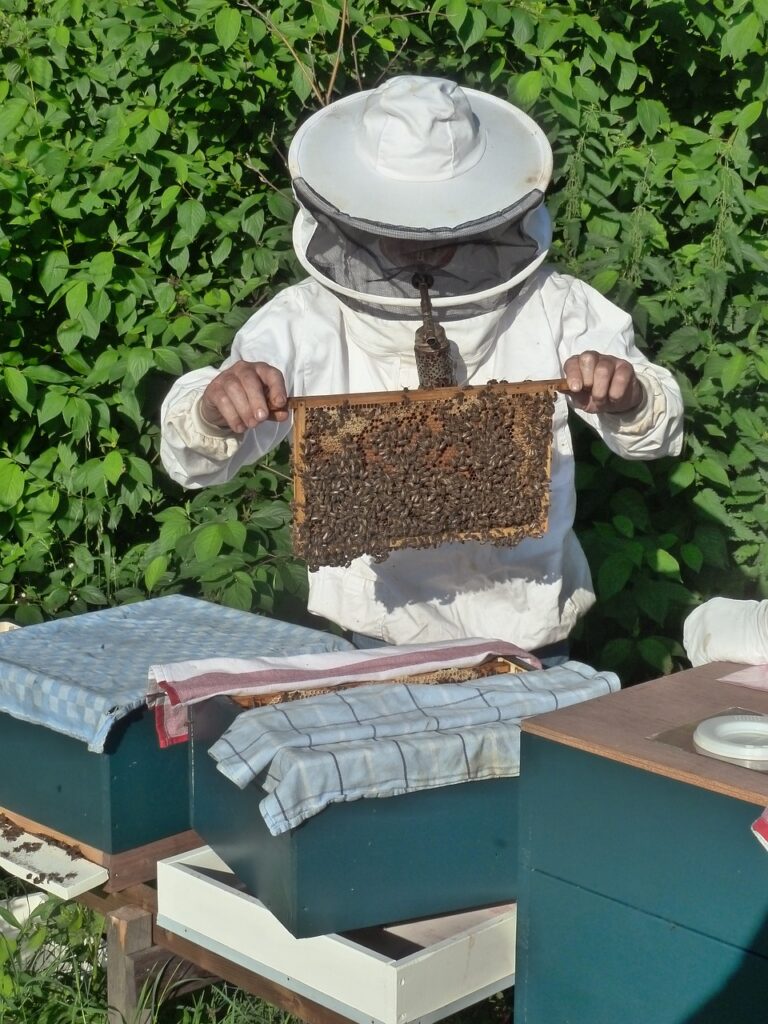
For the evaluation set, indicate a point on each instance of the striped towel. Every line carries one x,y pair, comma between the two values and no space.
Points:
380,741
172,687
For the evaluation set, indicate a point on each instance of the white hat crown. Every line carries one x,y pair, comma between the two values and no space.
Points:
415,129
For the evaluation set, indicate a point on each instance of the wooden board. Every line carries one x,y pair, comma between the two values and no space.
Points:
635,726
380,471
49,865
122,869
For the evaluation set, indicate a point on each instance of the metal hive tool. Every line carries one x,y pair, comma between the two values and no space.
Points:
377,472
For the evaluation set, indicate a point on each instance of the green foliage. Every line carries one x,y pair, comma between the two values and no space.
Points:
146,209
51,964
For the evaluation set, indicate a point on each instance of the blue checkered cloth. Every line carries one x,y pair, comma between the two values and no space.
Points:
390,739
80,675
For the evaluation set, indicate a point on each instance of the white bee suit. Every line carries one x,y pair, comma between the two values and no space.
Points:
723,629
350,327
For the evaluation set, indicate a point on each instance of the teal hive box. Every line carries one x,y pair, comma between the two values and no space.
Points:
362,863
131,794
80,754
643,895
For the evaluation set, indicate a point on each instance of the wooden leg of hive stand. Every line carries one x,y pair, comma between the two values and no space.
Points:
140,974
129,932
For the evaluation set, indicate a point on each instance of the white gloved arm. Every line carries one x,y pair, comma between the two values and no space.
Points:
590,322
726,630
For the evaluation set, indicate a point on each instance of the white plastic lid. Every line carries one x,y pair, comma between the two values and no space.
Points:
740,739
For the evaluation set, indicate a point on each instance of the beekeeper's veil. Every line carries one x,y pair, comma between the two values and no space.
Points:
387,178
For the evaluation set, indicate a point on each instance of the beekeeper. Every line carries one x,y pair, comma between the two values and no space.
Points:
420,173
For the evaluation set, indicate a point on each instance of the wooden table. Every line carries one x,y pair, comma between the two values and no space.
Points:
644,895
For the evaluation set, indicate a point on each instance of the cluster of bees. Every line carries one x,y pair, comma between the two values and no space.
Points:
468,464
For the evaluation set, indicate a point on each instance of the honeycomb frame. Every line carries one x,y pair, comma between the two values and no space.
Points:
381,471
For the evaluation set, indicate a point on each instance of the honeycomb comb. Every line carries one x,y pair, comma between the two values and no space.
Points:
381,471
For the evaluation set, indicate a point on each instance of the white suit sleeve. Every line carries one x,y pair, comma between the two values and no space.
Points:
726,630
655,428
194,452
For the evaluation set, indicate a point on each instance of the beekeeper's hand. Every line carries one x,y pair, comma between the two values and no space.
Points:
244,395
601,383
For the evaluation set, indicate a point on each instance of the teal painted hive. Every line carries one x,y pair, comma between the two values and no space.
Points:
362,863
80,754
644,895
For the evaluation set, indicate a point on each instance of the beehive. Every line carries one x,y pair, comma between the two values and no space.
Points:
377,472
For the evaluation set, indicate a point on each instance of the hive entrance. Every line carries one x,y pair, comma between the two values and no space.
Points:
377,472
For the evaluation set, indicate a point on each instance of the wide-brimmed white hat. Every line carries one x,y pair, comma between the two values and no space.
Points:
423,155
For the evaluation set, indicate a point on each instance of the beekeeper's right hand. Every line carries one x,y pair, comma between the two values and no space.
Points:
244,395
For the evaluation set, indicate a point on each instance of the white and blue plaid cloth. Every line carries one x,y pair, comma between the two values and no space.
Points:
385,740
80,675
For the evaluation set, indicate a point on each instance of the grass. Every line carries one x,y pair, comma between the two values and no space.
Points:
53,971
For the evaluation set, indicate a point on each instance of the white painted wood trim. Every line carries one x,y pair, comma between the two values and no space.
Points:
473,959
44,858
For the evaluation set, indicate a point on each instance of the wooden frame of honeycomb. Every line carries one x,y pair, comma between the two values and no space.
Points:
492,666
380,471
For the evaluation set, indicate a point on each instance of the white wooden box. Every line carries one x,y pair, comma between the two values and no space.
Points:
419,971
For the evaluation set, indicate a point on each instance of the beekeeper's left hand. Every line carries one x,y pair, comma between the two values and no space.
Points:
601,383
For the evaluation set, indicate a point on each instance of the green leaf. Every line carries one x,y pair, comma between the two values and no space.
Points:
741,37
656,652
6,290
11,112
208,541
605,280
662,561
751,113
617,653
634,469
692,555
54,269
159,119
281,206
101,269
113,466
191,216
169,196
473,29
154,571
227,26
682,476
68,335
613,575
76,298
17,386
733,372
178,75
11,483
652,116
52,406
456,12
527,87
235,534
712,470
301,80
40,71
624,526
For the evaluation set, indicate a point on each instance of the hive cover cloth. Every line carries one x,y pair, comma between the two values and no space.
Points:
173,688
80,675
384,740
